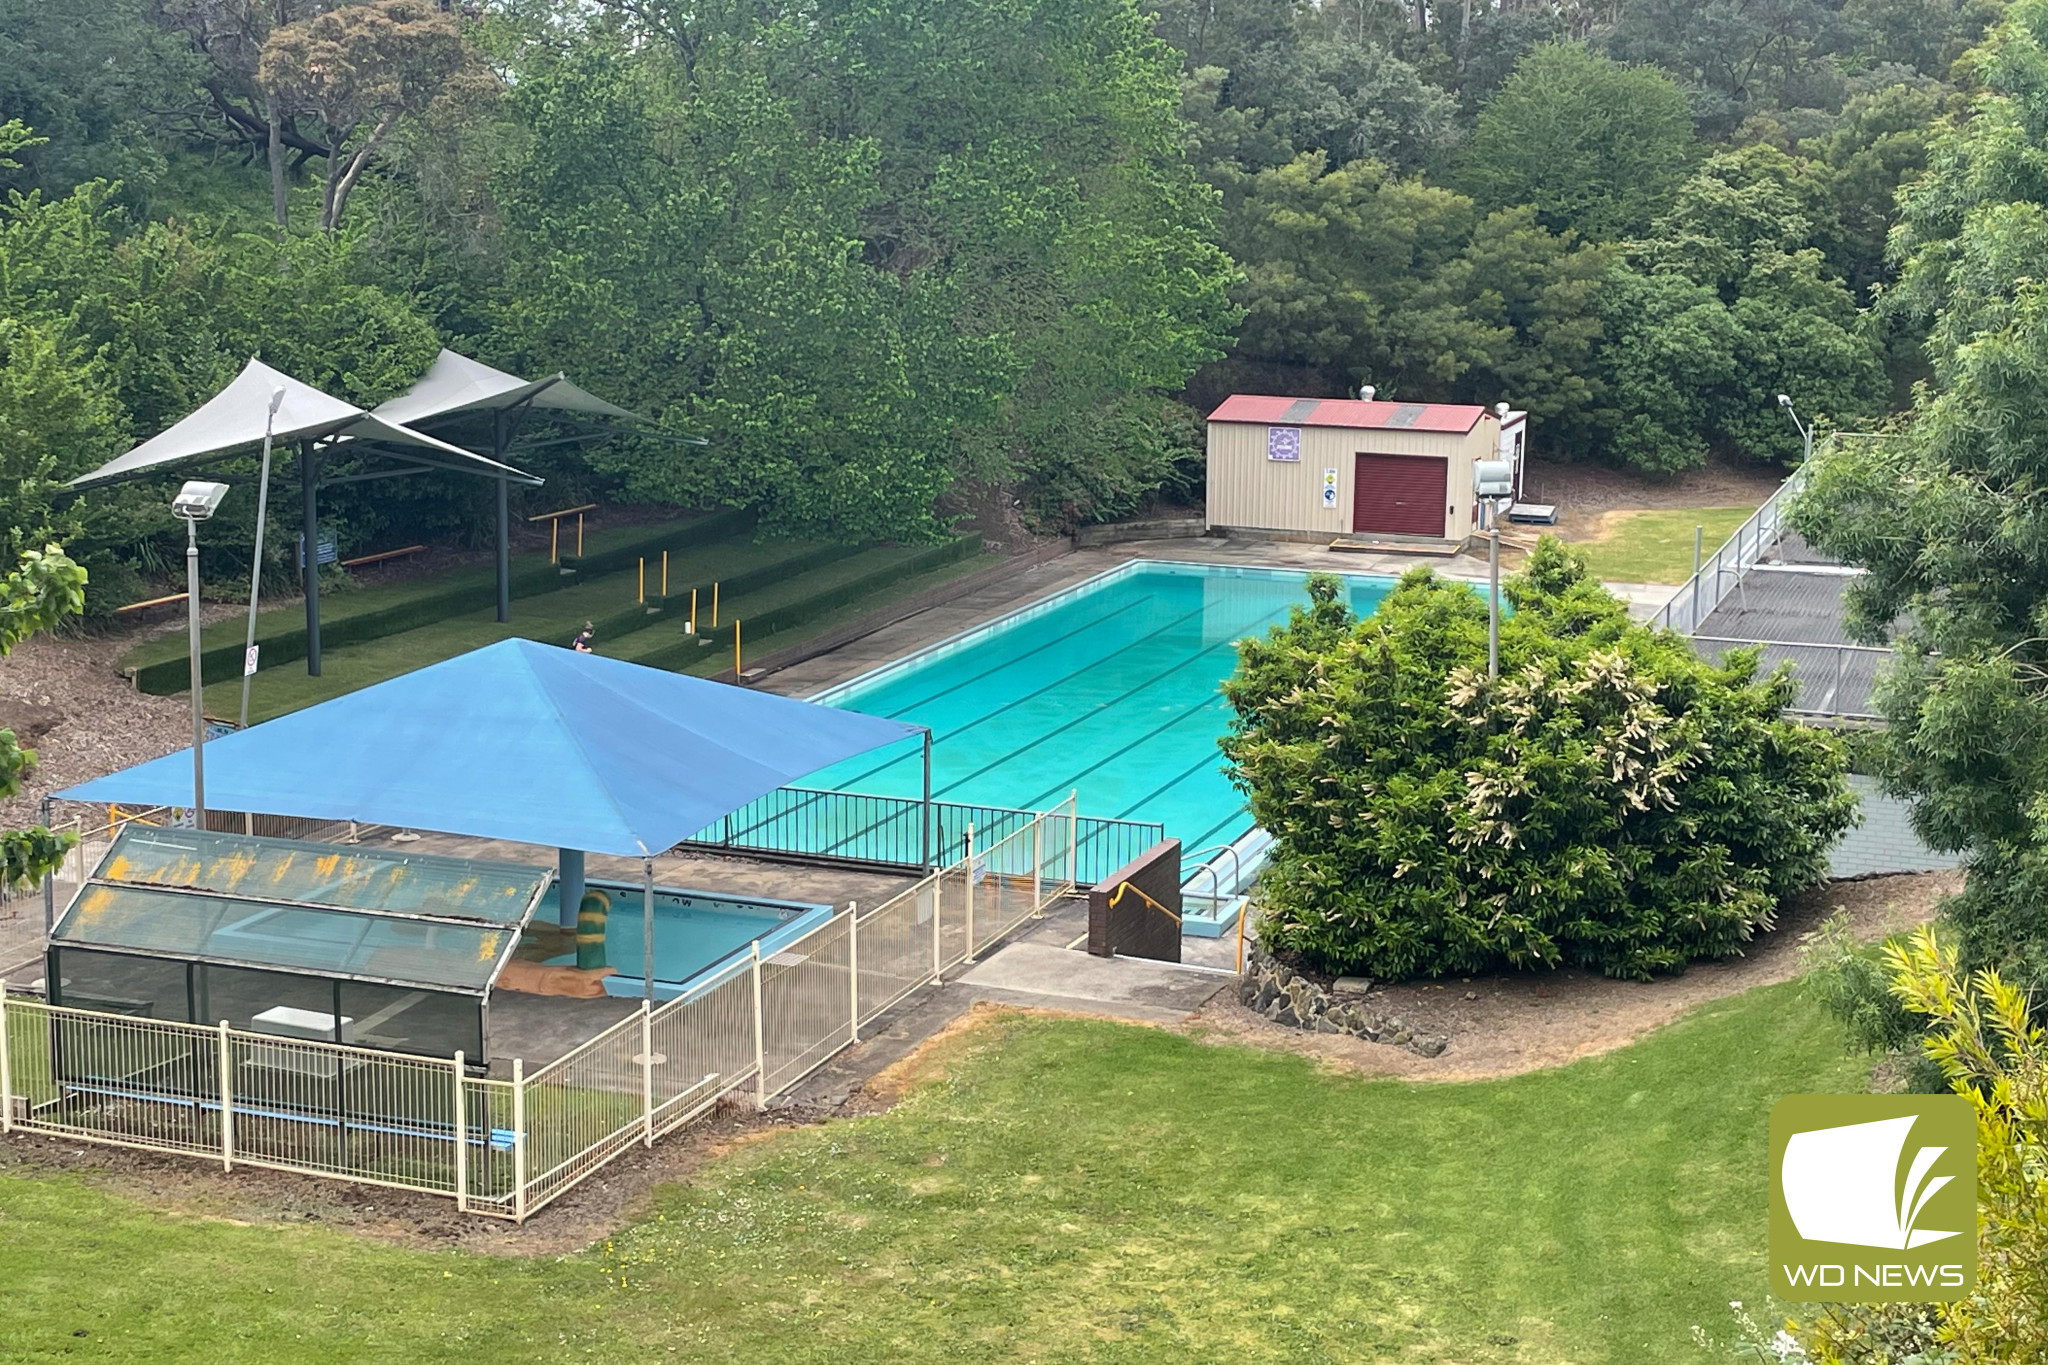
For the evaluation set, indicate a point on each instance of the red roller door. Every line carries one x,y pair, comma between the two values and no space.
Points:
1400,494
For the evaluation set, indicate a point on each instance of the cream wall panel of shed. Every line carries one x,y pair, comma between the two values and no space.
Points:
1248,490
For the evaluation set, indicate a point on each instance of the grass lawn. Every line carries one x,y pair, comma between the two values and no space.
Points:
555,617
1656,547
1064,1191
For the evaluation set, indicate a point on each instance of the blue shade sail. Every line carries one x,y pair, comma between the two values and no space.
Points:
519,741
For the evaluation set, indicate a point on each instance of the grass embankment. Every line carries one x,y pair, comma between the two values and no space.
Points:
556,617
1656,547
1065,1191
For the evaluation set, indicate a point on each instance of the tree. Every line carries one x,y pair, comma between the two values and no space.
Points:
1610,801
1979,1033
1948,517
359,69
44,589
1595,146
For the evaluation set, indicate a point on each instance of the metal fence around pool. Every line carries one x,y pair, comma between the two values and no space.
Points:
507,1147
904,832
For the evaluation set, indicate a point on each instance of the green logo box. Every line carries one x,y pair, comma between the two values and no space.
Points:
1873,1198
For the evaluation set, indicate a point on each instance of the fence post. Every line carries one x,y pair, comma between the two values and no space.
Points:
647,1071
1038,867
1074,837
461,1143
518,1140
6,1071
852,971
938,903
226,1067
760,1048
969,844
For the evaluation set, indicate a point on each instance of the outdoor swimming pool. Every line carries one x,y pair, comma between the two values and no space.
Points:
693,933
1110,688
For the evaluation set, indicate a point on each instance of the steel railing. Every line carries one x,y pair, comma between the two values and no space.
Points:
902,832
1835,680
506,1148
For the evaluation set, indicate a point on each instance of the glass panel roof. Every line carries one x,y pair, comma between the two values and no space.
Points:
297,938
336,875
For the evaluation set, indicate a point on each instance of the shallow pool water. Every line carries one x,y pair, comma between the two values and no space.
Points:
693,932
1110,689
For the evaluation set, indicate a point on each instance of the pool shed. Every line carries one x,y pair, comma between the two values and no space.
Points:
1315,468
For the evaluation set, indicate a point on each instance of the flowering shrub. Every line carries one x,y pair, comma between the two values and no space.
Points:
1611,800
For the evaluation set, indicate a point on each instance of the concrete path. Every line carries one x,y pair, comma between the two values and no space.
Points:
1047,977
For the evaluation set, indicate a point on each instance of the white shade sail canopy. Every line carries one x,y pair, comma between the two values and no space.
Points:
455,384
234,419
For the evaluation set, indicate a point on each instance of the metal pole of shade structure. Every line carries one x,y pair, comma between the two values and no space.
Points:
49,883
256,560
925,846
499,439
309,492
647,926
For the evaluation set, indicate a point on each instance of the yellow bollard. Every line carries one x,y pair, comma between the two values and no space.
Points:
664,575
643,580
735,649
693,611
579,535
554,540
714,606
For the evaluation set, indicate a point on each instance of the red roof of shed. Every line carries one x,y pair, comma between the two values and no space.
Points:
1348,412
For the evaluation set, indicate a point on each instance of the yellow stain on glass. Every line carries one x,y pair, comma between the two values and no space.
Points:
487,947
326,863
95,902
117,870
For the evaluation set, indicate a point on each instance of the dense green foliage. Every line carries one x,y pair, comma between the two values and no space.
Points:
873,251
1950,516
44,590
1984,1045
1611,801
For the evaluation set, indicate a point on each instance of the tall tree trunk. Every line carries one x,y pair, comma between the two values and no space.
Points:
1419,15
1464,36
327,196
277,203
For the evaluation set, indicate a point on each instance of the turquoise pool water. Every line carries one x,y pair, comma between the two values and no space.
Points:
693,933
1110,689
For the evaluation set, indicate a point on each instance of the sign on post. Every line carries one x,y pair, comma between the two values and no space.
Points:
249,660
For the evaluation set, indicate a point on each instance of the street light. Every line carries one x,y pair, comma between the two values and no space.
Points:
1805,431
1493,483
195,502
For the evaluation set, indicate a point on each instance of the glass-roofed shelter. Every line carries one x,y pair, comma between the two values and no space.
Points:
371,948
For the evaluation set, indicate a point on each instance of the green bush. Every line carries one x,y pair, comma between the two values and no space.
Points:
1611,801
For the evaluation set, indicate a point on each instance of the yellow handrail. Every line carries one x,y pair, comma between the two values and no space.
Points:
1124,886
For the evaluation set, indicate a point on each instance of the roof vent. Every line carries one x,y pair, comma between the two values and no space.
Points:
1365,393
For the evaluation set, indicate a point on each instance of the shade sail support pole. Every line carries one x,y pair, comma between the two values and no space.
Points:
501,436
647,926
309,492
925,847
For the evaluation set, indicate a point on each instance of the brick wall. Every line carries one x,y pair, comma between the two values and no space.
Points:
1885,841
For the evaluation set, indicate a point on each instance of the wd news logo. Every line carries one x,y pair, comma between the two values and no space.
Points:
1873,1198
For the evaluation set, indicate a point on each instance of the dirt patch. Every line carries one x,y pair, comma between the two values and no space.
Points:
1511,1023
1584,493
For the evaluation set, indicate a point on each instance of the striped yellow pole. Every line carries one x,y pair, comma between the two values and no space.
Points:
735,649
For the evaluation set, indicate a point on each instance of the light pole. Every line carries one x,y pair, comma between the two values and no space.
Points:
195,502
1493,483
256,563
1805,430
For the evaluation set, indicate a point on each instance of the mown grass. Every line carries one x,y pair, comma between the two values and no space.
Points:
1065,1191
556,617
1656,547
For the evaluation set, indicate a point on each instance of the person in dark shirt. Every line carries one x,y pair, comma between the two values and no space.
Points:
581,644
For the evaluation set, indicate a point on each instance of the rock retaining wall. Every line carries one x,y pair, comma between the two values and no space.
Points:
1285,996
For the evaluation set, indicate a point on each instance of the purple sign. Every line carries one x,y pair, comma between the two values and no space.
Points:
1283,443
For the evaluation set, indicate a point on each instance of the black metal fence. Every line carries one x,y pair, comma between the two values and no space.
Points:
904,832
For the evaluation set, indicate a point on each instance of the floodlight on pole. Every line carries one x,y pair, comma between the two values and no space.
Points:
1805,429
1493,483
196,502
256,560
